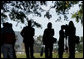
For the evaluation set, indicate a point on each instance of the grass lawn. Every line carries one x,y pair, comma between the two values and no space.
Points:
55,55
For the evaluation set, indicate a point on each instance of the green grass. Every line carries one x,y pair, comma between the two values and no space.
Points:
55,55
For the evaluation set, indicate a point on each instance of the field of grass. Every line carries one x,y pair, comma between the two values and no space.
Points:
55,55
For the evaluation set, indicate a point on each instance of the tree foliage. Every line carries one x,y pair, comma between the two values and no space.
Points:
79,14
19,10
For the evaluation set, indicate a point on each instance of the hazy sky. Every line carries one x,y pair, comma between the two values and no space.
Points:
56,25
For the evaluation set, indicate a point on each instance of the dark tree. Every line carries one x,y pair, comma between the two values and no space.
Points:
19,10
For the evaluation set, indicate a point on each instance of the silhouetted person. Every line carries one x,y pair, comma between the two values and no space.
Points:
2,37
14,53
61,43
28,33
9,41
72,31
48,40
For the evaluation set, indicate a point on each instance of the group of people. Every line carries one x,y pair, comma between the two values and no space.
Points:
8,40
67,32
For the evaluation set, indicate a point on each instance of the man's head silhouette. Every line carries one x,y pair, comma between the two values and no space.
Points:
71,24
10,25
6,24
62,27
49,25
29,23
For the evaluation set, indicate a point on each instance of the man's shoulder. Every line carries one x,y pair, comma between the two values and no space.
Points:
52,29
49,29
33,29
46,29
25,27
28,28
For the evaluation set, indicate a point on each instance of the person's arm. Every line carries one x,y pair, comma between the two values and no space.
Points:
14,38
75,31
53,32
43,39
59,37
22,32
33,32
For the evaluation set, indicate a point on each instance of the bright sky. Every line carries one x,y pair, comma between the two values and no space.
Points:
56,25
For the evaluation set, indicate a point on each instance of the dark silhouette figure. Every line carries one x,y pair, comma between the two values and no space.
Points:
14,53
2,34
48,40
72,31
2,37
28,33
61,43
8,41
